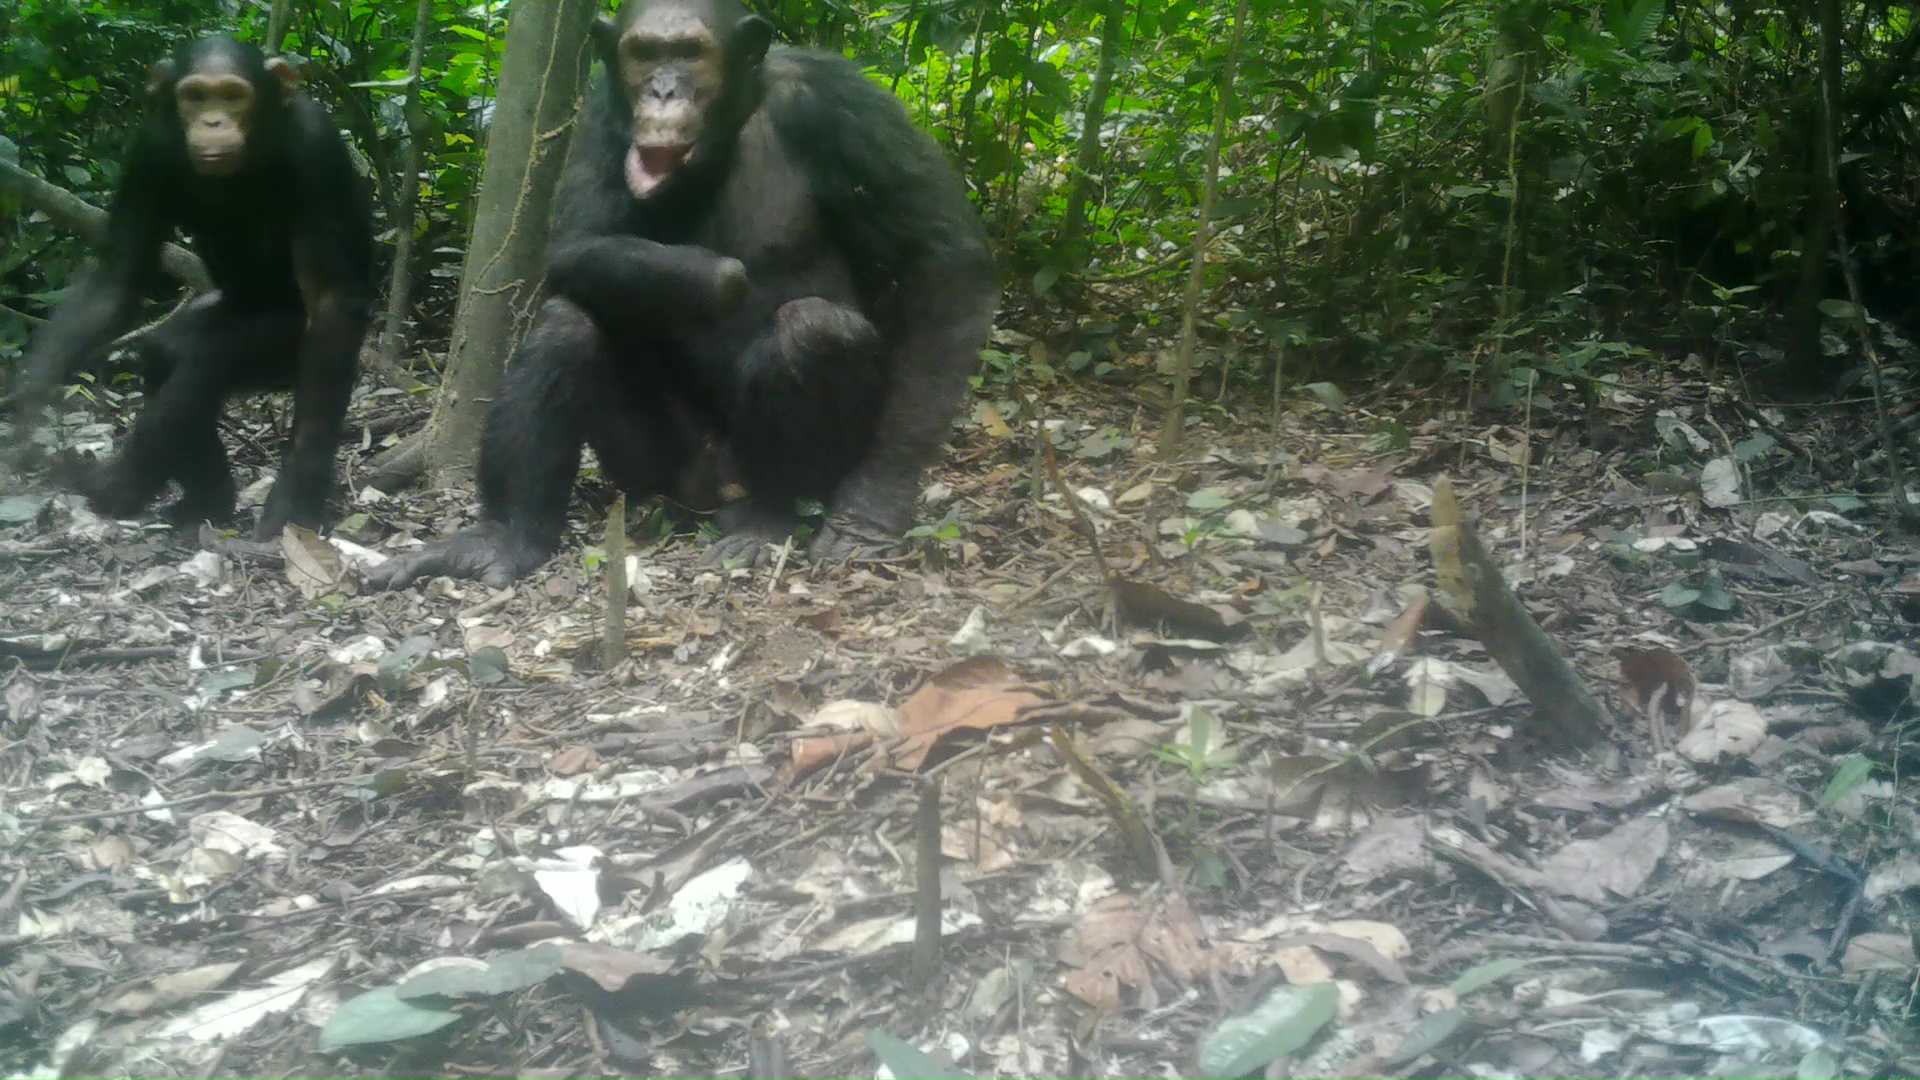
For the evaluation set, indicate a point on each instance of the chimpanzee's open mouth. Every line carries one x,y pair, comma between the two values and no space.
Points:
649,166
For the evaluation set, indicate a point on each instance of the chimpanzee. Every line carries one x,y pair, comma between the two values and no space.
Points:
258,176
752,245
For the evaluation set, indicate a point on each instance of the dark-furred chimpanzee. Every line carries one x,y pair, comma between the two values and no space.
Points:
756,246
258,176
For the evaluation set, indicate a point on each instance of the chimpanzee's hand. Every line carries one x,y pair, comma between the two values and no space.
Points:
747,532
488,551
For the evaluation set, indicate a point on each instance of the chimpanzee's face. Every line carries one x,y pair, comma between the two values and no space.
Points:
220,105
674,59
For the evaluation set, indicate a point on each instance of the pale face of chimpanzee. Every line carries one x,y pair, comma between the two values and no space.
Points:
672,58
219,108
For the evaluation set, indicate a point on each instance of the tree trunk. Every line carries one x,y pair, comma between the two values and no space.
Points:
1171,431
279,21
1088,159
540,78
400,286
1805,359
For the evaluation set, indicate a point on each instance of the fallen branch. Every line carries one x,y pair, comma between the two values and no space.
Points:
1473,590
90,222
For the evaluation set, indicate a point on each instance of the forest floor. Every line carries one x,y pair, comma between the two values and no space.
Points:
1250,799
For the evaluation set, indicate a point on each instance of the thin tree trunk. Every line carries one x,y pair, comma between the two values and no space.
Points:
1171,431
1805,359
540,78
279,21
400,286
1088,159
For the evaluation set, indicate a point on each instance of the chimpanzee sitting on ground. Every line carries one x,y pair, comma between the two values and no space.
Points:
759,246
259,177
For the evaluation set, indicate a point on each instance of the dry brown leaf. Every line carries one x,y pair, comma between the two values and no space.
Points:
573,761
979,693
1389,845
1661,683
1121,941
1732,729
1610,866
1302,965
1877,952
1749,799
613,968
313,566
149,995
1399,635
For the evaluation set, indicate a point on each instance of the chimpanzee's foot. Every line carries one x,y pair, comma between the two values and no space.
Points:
844,536
287,505
186,514
111,489
489,552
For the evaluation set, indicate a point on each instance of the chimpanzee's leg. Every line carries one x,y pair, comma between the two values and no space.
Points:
324,365
801,414
560,391
194,362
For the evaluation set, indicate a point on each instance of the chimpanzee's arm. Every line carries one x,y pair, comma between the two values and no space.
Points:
594,259
897,211
332,259
103,304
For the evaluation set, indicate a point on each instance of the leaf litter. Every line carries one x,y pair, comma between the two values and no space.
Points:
1242,798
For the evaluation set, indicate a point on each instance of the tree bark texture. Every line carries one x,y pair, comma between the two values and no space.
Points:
547,52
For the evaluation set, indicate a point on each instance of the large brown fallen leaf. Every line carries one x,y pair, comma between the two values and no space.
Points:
1610,866
313,566
1121,942
979,693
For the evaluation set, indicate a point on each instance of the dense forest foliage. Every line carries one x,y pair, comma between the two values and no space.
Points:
1408,188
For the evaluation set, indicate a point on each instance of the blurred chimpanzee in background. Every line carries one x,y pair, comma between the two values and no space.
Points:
258,176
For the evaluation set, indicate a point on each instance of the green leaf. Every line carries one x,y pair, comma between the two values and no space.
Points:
1839,309
1480,976
1752,449
1679,595
488,666
1282,1023
1432,1030
393,672
1853,772
504,974
905,1060
1714,595
1044,279
379,1016
1207,499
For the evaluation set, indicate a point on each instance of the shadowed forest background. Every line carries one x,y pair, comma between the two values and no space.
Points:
1408,191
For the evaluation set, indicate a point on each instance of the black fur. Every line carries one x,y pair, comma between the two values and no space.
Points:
869,290
288,242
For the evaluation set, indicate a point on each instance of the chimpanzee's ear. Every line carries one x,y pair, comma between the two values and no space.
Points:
751,36
160,77
281,69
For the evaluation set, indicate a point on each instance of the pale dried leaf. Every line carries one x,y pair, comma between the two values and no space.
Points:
1731,729
1610,866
